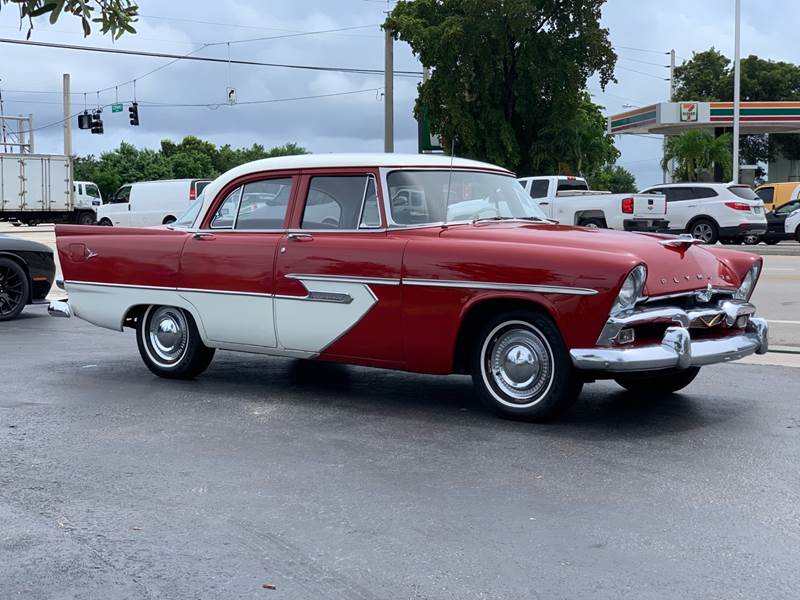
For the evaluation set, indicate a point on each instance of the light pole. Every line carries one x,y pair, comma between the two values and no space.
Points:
736,89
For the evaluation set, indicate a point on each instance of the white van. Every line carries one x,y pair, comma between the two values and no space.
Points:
149,203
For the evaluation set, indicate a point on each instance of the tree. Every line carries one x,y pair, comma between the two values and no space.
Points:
696,151
508,77
115,16
708,77
189,159
615,179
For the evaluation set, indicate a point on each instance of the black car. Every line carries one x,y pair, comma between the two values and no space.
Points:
27,271
776,220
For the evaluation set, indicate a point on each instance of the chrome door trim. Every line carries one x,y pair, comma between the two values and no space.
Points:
344,279
508,287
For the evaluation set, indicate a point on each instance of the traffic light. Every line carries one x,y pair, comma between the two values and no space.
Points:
85,120
97,122
134,113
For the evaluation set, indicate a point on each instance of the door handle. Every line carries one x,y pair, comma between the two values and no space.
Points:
300,237
543,203
203,236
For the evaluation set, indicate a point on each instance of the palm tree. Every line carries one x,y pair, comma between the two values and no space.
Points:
696,151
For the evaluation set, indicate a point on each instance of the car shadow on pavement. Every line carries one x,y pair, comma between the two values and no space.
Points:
603,411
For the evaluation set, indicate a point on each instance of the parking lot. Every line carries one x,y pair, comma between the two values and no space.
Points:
329,482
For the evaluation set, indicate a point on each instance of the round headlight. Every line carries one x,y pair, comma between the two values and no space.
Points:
631,289
748,283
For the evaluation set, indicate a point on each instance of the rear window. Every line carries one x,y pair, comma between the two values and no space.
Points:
571,185
744,192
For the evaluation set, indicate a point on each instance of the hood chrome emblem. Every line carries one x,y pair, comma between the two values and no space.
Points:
704,295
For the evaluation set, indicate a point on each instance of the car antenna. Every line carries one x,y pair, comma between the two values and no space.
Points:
449,181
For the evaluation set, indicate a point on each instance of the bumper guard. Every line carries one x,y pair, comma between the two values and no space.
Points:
677,350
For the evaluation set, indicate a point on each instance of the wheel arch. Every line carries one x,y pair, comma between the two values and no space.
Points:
137,310
18,259
702,217
476,312
582,215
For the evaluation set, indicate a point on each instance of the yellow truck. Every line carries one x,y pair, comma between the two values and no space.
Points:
778,194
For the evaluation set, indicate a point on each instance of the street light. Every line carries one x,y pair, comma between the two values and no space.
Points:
736,89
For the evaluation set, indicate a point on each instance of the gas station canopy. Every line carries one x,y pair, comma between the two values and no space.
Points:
674,118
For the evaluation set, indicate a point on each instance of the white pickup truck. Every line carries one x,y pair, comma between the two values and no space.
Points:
569,201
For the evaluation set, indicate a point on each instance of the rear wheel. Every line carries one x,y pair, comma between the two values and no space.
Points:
170,344
705,230
657,383
752,240
85,218
594,223
522,369
14,289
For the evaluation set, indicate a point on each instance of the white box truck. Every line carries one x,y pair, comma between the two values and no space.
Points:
39,188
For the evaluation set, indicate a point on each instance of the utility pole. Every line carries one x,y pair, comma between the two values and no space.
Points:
737,82
666,175
388,96
67,117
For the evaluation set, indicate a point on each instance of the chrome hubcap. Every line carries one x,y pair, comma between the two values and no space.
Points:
703,231
168,333
519,364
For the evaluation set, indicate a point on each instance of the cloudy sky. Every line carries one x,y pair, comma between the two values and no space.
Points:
642,32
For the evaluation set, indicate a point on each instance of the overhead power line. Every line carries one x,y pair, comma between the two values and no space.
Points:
257,27
642,50
215,105
643,73
356,71
643,62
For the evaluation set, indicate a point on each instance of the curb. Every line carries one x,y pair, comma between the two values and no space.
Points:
784,349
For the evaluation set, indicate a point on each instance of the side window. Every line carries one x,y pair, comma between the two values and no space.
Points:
539,188
767,194
226,213
264,204
787,208
341,202
92,191
679,193
703,192
123,195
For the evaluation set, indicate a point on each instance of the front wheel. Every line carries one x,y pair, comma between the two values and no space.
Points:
522,369
658,382
170,344
105,223
86,218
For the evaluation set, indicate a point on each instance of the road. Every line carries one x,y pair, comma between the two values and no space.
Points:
777,294
332,482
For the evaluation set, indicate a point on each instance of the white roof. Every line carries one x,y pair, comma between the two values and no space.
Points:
321,161
698,184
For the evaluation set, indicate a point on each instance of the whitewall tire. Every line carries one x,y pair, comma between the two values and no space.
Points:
170,344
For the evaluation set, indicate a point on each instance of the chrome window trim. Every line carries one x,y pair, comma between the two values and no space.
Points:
509,287
370,177
235,216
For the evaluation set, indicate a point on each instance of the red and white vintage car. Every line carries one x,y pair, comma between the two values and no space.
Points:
415,263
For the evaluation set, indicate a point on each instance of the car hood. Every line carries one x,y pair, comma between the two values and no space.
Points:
670,270
15,244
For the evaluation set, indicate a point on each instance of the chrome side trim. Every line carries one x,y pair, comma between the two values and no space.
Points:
169,289
508,287
333,297
345,279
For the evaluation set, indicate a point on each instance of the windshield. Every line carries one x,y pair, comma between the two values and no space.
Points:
91,190
421,197
186,220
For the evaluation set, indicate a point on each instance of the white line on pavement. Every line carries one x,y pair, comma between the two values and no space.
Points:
784,322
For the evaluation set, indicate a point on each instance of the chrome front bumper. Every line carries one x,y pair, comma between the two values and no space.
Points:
677,350
60,308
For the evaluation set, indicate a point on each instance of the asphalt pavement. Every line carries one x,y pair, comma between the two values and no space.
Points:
336,482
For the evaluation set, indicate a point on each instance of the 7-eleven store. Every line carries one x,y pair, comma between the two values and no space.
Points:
673,118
